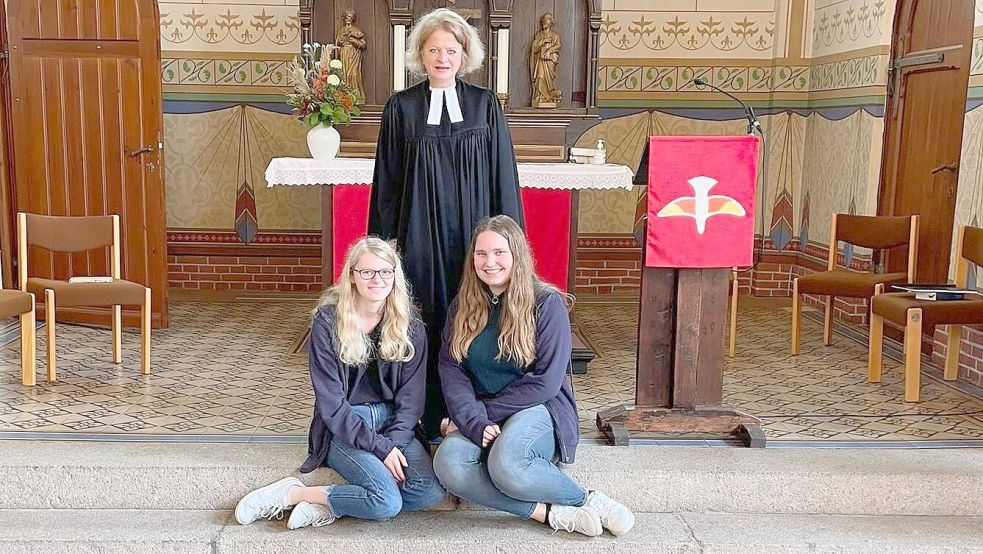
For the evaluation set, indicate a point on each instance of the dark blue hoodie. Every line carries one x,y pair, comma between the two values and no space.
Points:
543,383
403,385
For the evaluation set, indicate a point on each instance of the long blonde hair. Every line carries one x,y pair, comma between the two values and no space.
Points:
517,340
352,343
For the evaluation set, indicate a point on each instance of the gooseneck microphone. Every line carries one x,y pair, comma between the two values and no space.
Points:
752,120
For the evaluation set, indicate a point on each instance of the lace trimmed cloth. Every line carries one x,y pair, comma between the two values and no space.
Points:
352,171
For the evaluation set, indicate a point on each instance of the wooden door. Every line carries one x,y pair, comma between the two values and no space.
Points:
924,124
7,242
87,120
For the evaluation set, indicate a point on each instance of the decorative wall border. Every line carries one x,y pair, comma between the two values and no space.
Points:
186,26
230,237
641,78
225,72
646,33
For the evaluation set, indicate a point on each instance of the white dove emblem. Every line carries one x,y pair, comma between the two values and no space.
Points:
702,206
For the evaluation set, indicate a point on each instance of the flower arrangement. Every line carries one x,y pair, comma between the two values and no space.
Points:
319,93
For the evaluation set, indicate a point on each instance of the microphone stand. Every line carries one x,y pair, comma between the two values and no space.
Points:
752,120
753,125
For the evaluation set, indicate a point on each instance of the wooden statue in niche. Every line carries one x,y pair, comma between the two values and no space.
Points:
544,57
351,42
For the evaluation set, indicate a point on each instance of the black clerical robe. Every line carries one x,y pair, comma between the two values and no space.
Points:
432,185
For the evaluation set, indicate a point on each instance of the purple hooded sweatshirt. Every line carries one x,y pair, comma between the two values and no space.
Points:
544,382
403,385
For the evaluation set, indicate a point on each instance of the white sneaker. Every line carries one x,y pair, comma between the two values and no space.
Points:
305,513
615,516
267,502
581,519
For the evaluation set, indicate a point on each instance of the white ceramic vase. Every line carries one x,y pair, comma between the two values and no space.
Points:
323,142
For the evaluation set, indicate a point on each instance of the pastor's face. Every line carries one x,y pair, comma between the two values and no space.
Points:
442,55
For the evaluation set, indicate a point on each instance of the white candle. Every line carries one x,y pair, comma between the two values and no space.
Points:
399,57
502,74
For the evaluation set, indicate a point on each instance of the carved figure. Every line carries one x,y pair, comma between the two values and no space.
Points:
351,42
544,57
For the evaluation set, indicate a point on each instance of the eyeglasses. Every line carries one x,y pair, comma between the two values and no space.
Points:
368,274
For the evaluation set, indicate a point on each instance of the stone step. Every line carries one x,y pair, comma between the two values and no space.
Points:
215,532
214,476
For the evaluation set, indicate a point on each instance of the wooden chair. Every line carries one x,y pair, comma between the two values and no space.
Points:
876,232
903,309
77,234
18,303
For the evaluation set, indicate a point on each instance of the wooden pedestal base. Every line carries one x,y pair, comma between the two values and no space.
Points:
617,422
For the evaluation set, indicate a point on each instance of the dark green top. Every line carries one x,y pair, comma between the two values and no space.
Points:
488,374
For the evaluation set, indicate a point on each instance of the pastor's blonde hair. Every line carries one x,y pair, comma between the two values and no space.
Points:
352,343
517,339
442,18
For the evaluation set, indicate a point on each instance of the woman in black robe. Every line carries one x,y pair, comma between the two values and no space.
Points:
443,162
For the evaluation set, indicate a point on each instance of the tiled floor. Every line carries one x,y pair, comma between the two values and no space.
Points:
227,371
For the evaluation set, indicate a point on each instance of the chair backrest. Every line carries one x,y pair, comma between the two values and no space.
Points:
69,233
66,234
877,233
970,248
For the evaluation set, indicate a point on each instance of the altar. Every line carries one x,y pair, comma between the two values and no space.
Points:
548,192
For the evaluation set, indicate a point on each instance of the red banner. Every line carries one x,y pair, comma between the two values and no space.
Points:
701,201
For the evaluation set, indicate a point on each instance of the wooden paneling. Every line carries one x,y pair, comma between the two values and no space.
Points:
80,19
570,17
373,19
86,93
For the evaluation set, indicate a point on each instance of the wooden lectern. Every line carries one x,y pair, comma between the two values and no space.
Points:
683,304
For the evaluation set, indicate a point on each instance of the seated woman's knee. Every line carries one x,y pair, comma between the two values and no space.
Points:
451,463
385,503
508,469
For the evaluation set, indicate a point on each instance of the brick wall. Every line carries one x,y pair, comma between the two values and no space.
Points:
970,352
289,262
607,265
244,273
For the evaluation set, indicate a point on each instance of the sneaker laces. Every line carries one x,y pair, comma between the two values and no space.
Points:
271,513
321,521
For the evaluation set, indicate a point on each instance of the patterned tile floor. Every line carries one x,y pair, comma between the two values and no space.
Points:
227,371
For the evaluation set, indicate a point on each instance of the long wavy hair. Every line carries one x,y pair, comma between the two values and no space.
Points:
352,343
473,54
517,340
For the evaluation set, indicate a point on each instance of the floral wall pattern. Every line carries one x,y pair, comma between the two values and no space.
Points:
229,26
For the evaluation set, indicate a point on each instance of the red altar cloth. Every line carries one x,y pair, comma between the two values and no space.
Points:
547,220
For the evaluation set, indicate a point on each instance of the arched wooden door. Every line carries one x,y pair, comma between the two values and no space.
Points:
86,133
924,123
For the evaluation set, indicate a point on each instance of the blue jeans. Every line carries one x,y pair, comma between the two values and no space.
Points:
519,472
372,492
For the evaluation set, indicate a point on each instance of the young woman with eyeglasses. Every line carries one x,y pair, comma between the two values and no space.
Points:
368,353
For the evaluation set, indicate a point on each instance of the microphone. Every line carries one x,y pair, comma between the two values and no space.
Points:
752,120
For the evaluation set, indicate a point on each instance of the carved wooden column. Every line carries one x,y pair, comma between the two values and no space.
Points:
593,51
306,13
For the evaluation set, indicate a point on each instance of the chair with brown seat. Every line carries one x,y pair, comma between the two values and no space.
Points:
875,232
21,304
903,309
78,234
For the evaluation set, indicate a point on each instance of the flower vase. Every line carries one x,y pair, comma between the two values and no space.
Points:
323,142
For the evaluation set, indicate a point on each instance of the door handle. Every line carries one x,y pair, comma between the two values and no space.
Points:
951,166
145,150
